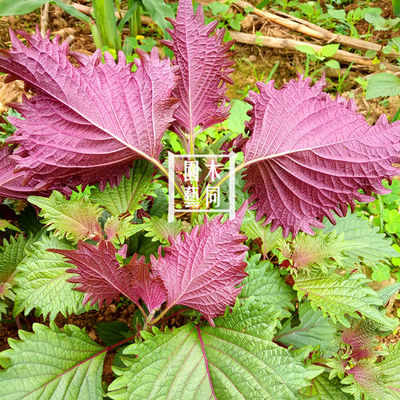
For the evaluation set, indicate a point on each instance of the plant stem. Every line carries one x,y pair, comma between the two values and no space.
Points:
160,316
165,172
147,326
380,202
142,311
97,39
104,14
18,322
191,142
138,13
191,149
134,21
177,313
223,179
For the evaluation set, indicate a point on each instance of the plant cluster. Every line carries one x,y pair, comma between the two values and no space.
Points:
273,304
108,20
332,15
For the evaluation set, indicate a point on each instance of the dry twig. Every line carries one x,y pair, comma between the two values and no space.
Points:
278,43
44,18
312,30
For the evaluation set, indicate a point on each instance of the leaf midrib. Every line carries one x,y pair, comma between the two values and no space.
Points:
273,372
68,370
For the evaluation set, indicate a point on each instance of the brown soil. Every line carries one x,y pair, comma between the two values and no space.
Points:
252,62
88,321
9,93
392,309
60,23
387,12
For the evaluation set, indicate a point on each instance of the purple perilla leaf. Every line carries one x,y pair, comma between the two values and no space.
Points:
103,279
147,287
309,155
204,67
361,339
87,123
11,184
203,269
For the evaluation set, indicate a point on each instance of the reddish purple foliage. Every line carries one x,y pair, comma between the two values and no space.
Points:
366,377
204,63
86,124
309,155
99,273
361,340
150,289
103,279
11,184
202,269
